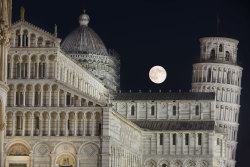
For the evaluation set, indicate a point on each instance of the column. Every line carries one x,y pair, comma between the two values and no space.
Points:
78,161
14,124
24,96
23,124
21,38
29,37
33,96
11,67
58,97
66,124
58,124
41,104
14,92
41,124
28,70
32,124
65,98
84,124
93,121
37,69
79,101
49,121
76,121
50,89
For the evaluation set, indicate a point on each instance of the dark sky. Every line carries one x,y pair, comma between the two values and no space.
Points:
155,32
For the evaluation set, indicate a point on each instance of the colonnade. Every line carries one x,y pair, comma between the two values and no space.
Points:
34,123
216,74
36,95
25,38
123,158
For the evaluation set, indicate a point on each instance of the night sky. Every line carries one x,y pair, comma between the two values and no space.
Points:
156,32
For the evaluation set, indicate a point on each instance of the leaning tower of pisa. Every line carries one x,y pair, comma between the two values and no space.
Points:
218,71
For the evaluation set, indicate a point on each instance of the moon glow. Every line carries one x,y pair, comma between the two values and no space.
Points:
157,74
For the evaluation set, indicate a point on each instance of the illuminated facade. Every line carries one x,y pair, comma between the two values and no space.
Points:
62,109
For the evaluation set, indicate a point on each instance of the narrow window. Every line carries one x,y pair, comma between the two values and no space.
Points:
197,108
174,139
174,110
21,98
26,70
68,100
44,70
199,139
152,110
100,129
37,122
35,73
17,98
133,110
40,70
220,48
36,99
8,73
161,139
186,139
18,70
227,56
212,54
218,141
18,121
68,124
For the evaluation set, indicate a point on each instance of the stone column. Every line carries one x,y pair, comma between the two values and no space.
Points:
28,70
76,121
78,161
11,67
41,96
33,96
58,97
66,124
37,69
24,96
23,124
58,124
49,122
32,124
93,121
84,124
41,124
50,89
14,96
14,124
65,98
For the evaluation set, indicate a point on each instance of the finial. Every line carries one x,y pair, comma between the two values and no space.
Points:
159,90
22,11
84,19
55,31
129,90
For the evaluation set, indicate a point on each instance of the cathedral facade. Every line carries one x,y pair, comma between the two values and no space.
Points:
60,106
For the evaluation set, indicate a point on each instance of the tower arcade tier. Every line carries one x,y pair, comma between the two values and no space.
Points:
218,71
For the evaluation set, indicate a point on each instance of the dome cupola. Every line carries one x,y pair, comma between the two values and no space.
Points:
84,40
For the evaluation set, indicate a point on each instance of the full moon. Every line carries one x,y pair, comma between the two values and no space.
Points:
157,74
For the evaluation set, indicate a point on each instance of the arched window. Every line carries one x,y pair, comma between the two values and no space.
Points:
174,110
227,56
220,48
197,110
174,139
132,110
37,122
152,110
163,165
212,54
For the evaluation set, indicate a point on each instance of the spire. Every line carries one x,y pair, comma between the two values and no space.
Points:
84,19
55,31
22,11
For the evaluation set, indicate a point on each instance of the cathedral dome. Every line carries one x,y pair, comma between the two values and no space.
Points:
84,40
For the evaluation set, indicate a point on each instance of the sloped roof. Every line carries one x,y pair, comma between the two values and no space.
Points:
175,125
165,96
